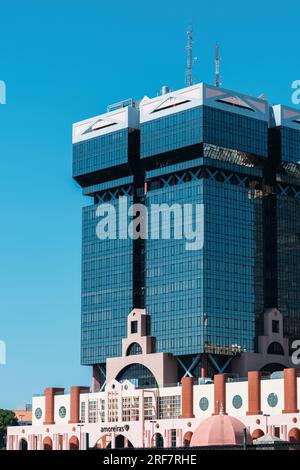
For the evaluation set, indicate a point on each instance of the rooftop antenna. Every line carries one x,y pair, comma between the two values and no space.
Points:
189,58
217,80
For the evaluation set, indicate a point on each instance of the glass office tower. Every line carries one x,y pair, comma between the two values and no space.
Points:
206,145
199,145
105,151
285,134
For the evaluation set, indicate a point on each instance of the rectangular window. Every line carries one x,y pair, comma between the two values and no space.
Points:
113,407
102,411
173,438
134,326
169,407
275,326
149,411
82,412
130,409
92,411
277,431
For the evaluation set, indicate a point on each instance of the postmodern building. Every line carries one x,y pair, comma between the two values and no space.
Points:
207,344
284,272
238,157
139,412
203,144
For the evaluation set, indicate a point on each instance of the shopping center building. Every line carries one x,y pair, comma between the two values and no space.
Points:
211,331
141,405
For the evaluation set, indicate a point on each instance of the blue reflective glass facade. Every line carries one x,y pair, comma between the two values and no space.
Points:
206,300
235,131
106,291
204,124
290,145
174,281
171,132
288,262
201,301
283,263
101,152
231,273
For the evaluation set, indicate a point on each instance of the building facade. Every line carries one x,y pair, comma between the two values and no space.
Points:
285,132
211,329
142,405
103,161
205,145
236,156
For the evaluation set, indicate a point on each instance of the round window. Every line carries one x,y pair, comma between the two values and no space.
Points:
272,399
237,401
203,404
62,412
38,413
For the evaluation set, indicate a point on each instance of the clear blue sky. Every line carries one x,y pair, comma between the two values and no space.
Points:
64,61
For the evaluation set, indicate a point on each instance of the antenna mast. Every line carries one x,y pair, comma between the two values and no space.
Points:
189,61
218,83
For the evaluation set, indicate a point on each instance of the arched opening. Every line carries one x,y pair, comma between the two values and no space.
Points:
23,445
275,348
157,441
272,367
187,439
294,435
257,433
134,349
74,443
47,443
121,442
103,442
139,375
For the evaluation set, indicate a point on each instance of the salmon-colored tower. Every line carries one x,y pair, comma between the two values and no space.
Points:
220,394
49,403
187,398
290,391
254,393
75,399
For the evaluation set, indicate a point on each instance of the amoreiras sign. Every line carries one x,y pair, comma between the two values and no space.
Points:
115,428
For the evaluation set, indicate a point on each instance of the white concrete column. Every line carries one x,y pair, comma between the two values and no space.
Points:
147,438
30,442
120,406
167,438
113,440
9,442
83,441
179,439
66,445
141,405
284,435
55,441
34,442
40,442
106,407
